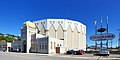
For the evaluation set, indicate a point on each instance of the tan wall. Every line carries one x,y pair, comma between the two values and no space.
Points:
69,37
42,31
76,40
52,32
60,33
82,41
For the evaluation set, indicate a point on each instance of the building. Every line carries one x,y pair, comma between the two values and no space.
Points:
53,36
5,46
16,46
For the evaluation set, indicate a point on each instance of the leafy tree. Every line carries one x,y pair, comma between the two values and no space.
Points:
8,37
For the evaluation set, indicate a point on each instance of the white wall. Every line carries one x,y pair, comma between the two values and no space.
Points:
8,44
57,41
41,42
16,45
62,50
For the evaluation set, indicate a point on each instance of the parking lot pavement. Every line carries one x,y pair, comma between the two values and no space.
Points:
85,56
92,57
36,56
111,57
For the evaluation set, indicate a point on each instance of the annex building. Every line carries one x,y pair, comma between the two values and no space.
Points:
53,36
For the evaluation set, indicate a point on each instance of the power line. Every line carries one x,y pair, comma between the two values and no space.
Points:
115,42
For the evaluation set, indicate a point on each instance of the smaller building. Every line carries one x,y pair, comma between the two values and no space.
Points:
50,45
16,46
5,46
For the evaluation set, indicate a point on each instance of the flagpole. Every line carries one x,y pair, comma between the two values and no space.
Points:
107,24
95,21
95,26
107,29
101,32
101,22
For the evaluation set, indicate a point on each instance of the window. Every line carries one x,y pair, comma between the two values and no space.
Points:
50,22
42,45
84,29
46,46
58,22
33,46
76,24
51,45
44,22
37,23
68,22
58,45
53,22
82,33
54,45
61,22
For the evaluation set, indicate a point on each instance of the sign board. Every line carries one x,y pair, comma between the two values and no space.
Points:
108,36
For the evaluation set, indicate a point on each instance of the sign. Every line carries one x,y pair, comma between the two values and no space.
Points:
108,36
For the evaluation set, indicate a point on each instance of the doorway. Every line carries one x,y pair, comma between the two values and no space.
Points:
58,50
24,46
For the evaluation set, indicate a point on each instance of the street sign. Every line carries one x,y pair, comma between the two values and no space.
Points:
108,36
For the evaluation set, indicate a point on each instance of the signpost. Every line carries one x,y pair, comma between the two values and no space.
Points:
102,36
98,37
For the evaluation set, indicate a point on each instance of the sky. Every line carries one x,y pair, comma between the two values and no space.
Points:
13,13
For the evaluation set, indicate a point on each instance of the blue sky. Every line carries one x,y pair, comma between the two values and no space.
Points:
14,12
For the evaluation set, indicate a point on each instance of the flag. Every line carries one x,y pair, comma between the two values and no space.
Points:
101,20
107,20
107,24
95,21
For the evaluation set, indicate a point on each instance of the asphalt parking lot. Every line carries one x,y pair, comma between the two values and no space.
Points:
36,56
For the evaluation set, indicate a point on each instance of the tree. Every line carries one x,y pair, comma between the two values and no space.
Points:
8,37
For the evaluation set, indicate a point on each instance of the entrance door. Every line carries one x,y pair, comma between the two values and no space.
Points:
58,50
24,46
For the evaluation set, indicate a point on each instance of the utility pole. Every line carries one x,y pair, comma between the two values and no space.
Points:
118,41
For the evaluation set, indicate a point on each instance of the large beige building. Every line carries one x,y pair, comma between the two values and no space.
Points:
53,36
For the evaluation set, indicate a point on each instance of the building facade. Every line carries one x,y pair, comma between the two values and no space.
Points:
53,36
5,46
